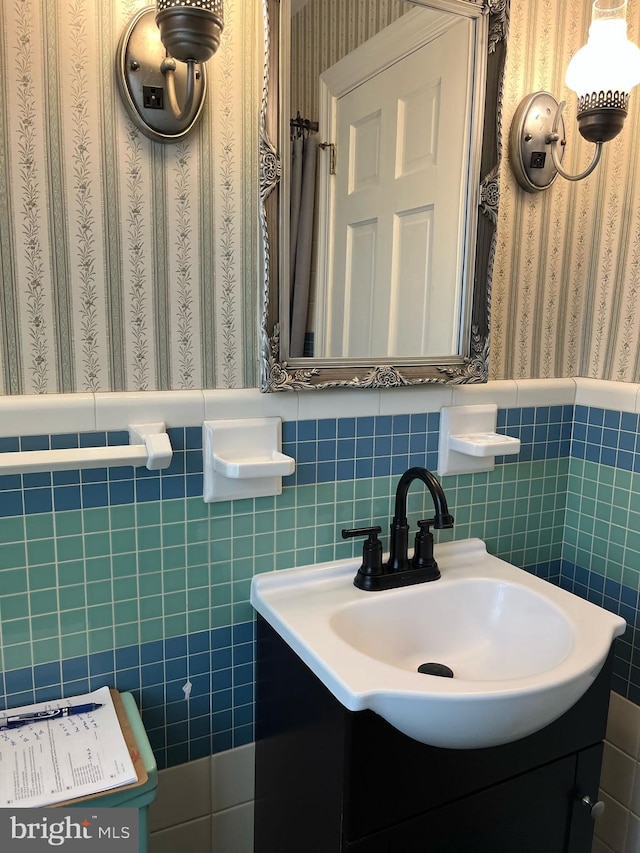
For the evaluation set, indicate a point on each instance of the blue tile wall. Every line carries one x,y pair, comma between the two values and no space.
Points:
330,453
601,553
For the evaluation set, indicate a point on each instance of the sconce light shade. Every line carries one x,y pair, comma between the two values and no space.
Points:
602,73
160,65
190,29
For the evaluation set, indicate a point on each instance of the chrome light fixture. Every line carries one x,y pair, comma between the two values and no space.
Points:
160,65
602,73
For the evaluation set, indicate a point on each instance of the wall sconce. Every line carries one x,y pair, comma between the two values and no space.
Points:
602,73
160,65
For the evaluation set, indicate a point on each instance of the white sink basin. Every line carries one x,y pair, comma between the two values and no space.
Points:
522,651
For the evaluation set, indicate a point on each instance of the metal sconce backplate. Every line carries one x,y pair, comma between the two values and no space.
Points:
142,84
529,150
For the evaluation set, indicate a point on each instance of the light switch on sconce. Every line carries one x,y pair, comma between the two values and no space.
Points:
602,73
160,65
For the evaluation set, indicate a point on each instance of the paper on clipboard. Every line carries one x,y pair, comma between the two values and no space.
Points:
56,760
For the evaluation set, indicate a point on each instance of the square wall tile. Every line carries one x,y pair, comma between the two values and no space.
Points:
184,794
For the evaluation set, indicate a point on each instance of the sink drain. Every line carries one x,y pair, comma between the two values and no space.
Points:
436,669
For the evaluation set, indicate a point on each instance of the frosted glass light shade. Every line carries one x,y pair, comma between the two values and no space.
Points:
609,62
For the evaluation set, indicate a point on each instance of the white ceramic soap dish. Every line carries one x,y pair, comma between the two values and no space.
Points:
469,441
243,458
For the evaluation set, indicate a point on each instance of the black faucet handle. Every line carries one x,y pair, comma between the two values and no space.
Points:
371,532
443,521
423,550
371,550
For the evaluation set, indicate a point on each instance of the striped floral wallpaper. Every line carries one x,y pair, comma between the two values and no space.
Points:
129,265
126,265
566,286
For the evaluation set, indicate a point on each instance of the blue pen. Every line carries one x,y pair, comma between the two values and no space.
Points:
17,720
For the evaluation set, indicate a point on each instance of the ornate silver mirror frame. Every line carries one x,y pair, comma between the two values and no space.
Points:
312,374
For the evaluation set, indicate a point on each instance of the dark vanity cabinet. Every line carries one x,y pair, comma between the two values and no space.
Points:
330,780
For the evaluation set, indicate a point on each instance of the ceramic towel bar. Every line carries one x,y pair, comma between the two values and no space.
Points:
149,445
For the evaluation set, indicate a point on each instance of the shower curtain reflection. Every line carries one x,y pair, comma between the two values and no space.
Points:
304,150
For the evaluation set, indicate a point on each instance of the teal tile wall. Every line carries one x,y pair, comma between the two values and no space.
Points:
85,581
128,578
601,550
602,531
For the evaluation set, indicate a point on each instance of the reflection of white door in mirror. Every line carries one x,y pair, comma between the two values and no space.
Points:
393,226
307,46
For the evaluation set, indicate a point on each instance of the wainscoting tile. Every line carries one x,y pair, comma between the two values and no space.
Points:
623,725
47,413
250,403
232,777
618,396
504,392
184,794
175,408
632,844
618,771
345,404
611,827
194,837
232,830
600,846
546,392
411,401
634,804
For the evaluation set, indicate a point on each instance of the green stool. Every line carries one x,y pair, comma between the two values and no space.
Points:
134,798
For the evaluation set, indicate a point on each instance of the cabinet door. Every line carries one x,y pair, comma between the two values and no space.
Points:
528,814
587,782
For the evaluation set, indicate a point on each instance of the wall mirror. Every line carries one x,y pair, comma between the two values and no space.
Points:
379,163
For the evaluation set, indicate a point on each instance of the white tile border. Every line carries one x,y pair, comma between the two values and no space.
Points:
46,414
348,403
249,403
415,400
176,408
85,412
619,396
546,392
503,392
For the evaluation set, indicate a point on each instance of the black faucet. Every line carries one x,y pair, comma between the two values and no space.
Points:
399,542
398,571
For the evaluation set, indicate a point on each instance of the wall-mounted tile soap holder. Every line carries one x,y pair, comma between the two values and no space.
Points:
469,441
243,458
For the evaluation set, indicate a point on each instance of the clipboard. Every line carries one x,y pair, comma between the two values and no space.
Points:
134,752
